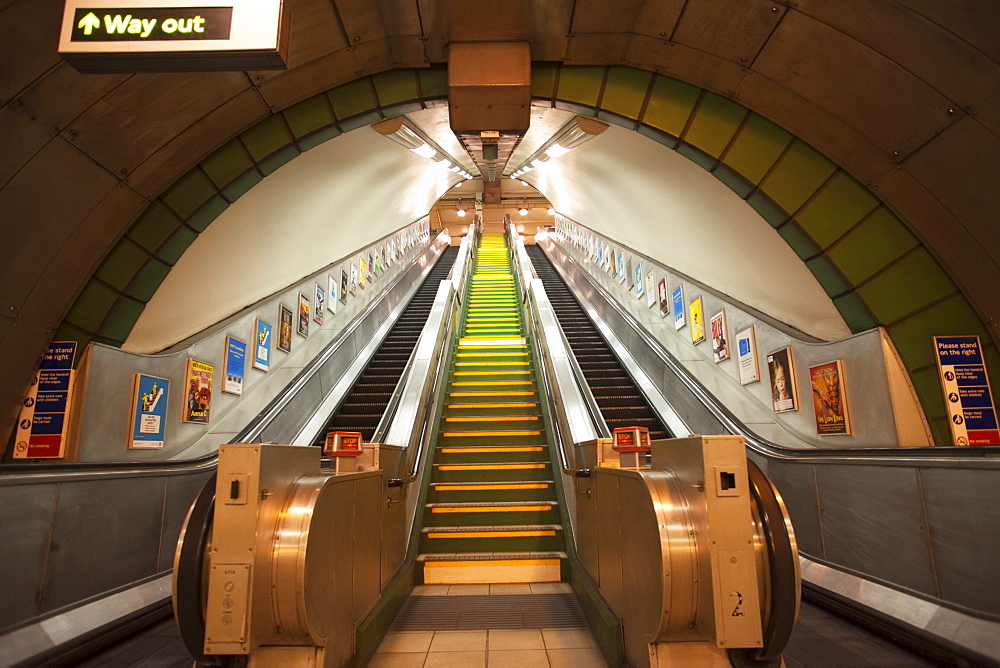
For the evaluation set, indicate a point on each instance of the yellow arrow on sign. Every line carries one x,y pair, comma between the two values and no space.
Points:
88,23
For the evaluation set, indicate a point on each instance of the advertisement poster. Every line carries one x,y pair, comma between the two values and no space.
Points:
829,399
782,375
362,272
677,301
613,268
331,302
198,402
621,267
319,303
234,366
303,328
607,258
371,269
971,411
639,284
746,356
664,296
149,411
284,329
45,410
378,263
720,337
697,321
650,292
262,345
354,280
343,286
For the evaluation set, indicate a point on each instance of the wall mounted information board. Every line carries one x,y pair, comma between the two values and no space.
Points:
174,35
971,413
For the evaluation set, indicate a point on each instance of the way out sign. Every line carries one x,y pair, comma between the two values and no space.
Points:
966,387
173,36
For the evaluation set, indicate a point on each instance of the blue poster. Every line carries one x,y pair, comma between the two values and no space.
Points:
235,367
149,411
966,386
677,297
262,346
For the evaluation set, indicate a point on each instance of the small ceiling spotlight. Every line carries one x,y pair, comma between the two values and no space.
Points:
524,183
550,211
461,210
523,210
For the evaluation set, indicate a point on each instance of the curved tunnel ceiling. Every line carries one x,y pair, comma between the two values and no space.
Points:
902,95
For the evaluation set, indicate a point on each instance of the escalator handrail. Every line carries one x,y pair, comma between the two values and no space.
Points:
768,448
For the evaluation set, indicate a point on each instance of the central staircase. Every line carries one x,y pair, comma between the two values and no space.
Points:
492,514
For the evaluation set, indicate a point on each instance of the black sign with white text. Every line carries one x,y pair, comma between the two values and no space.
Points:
151,24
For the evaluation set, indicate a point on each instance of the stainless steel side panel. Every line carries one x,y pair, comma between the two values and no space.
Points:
26,516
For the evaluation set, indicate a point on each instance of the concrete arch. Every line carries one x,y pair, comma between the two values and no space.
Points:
865,257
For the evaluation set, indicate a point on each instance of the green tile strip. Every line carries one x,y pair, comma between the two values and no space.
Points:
875,269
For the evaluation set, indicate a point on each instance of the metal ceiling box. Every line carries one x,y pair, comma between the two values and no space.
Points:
174,35
489,86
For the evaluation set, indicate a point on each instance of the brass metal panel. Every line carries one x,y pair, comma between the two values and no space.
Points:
585,526
326,72
966,558
840,71
26,514
128,512
126,125
658,18
407,51
595,16
369,499
685,63
362,20
642,562
21,348
166,165
733,29
596,48
797,485
23,26
609,539
373,57
860,538
400,17
974,21
180,494
315,32
489,86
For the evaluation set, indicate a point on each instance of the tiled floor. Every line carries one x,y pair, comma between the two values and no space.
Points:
524,648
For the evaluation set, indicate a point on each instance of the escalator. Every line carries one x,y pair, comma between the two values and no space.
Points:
619,399
363,407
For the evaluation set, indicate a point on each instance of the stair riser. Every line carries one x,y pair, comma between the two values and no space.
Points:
462,496
492,518
443,475
517,544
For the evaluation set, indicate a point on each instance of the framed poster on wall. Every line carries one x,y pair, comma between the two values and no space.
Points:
331,294
284,328
262,345
149,411
198,402
746,356
303,328
650,291
829,398
720,337
234,366
781,372
697,321
677,305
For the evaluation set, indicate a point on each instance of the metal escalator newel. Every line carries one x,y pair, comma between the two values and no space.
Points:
344,447
631,444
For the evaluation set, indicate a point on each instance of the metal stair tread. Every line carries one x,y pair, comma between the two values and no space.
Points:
489,556
493,527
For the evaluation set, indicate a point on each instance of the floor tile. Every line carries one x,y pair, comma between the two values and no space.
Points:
456,641
430,590
568,638
550,588
513,588
406,641
516,639
590,657
521,658
397,660
469,590
456,660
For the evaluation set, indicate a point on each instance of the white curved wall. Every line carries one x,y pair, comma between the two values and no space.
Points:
654,200
330,201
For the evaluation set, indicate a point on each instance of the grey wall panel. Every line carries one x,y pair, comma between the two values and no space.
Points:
368,495
26,517
874,522
798,489
609,538
181,491
106,534
966,553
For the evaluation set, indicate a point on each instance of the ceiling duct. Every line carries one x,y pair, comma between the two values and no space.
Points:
489,102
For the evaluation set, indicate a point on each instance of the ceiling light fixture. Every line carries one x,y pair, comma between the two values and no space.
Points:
400,131
550,211
574,133
461,210
523,210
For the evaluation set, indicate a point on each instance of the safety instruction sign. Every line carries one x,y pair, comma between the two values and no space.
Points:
967,396
149,411
41,426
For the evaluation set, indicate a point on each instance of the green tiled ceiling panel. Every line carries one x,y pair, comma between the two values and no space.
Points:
800,242
940,432
271,163
148,280
828,275
906,286
396,86
189,193
836,208
855,313
352,98
155,224
241,185
543,80
714,124
927,385
434,82
317,138
121,264
68,332
91,306
767,209
757,146
580,84
734,180
880,239
625,91
309,115
697,156
670,105
226,164
174,247
799,173
951,317
121,320
267,137
206,214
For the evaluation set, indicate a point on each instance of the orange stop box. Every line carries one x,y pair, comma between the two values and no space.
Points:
631,439
342,444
